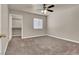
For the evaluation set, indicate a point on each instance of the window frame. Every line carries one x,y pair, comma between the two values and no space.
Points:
39,23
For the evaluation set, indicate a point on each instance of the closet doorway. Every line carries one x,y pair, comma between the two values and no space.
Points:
15,25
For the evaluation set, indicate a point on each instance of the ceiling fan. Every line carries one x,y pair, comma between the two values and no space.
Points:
47,8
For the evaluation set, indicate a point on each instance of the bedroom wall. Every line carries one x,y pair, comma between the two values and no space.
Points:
4,27
0,30
64,24
28,30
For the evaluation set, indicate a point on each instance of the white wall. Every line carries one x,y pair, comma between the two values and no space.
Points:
64,24
4,27
28,30
0,30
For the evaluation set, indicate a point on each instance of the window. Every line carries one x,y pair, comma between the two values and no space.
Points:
37,23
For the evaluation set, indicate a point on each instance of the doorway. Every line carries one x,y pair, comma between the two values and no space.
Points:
15,25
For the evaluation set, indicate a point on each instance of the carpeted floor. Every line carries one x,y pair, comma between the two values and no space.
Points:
44,45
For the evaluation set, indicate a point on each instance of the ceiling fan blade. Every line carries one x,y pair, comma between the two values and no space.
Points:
51,6
50,10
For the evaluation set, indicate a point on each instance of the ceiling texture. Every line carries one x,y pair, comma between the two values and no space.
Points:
36,8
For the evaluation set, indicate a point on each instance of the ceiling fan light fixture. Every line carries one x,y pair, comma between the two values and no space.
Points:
44,11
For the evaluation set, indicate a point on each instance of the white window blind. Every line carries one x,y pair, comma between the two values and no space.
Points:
37,23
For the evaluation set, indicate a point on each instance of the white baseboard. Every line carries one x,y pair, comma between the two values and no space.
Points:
64,38
34,36
54,37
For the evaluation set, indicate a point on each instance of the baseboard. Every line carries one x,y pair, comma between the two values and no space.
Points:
34,36
63,38
52,36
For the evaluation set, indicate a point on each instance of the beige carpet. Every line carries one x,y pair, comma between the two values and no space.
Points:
41,46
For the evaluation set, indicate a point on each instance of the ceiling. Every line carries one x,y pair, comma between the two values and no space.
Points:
35,8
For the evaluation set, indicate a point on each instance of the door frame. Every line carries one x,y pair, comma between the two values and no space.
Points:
10,25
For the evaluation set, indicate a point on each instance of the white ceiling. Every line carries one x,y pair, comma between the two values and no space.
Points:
35,8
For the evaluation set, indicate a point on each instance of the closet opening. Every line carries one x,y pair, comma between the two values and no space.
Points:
15,25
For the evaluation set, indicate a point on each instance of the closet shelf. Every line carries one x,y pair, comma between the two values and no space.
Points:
16,35
16,28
